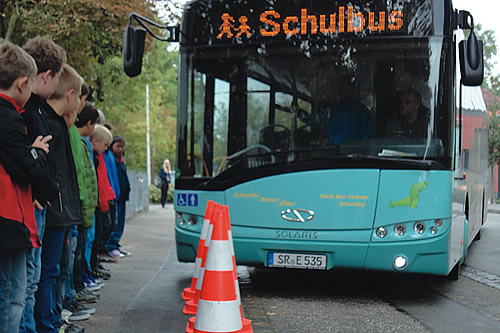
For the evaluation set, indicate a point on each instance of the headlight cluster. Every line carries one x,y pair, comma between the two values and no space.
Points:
192,220
409,230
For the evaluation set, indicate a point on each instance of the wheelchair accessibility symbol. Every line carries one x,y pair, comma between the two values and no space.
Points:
187,199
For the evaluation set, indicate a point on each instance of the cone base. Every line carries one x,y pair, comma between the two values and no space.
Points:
188,294
247,326
190,325
190,308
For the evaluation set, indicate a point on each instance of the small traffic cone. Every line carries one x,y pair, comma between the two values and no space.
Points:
191,306
189,292
218,309
246,323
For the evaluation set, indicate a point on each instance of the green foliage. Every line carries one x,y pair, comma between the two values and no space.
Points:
155,194
124,105
494,139
489,53
90,31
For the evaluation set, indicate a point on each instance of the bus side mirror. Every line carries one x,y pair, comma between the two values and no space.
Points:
133,49
471,53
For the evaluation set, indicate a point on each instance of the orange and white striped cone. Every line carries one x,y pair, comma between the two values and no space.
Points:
218,309
246,323
189,292
191,306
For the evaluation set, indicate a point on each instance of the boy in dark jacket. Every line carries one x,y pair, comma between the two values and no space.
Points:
49,58
66,211
21,165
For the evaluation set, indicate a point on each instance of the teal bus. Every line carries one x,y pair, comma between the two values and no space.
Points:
341,134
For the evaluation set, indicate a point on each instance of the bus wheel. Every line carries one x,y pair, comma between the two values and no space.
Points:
455,272
478,236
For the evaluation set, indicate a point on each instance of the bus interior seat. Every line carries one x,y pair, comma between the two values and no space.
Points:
276,137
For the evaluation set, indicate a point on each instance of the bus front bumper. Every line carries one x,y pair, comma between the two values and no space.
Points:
430,256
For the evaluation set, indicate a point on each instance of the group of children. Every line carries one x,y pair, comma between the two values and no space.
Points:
63,188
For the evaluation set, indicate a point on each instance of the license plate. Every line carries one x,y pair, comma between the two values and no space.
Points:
296,260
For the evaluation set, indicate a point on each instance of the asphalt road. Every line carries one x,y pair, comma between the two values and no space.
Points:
143,294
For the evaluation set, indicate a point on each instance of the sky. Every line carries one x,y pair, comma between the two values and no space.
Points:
486,13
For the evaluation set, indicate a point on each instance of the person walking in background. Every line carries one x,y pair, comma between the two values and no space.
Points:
164,174
118,149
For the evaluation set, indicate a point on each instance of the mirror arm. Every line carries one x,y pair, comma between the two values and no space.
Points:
173,30
462,18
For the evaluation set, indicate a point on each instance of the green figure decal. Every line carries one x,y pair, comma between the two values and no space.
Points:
414,197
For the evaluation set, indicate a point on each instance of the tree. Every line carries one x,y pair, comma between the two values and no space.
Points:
124,104
90,31
489,53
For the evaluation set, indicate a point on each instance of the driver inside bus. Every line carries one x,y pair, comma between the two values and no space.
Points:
413,117
345,119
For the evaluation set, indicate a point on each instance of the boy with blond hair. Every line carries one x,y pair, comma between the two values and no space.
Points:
49,58
100,139
66,210
21,165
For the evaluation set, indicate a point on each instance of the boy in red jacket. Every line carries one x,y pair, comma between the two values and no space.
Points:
21,165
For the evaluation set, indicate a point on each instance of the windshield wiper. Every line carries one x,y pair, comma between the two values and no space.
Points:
422,164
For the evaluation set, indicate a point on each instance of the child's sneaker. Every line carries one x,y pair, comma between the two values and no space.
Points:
125,253
85,297
100,274
91,285
115,254
104,257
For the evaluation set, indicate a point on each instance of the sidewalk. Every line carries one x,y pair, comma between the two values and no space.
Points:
144,292
494,208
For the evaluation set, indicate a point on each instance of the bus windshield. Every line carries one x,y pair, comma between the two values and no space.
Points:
295,104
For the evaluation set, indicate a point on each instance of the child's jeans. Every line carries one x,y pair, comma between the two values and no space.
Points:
12,289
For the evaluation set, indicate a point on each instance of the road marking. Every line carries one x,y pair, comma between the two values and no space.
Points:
480,276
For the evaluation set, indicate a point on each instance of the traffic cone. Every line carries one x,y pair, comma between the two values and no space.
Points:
191,306
189,292
246,323
218,309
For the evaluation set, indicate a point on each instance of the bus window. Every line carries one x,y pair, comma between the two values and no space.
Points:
258,100
283,115
195,123
221,121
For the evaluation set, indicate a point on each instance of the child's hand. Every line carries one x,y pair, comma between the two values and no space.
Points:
37,205
41,142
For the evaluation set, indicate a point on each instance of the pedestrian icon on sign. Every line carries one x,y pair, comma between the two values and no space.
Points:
181,199
193,200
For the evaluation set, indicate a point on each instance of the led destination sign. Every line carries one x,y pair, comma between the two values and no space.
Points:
346,20
279,22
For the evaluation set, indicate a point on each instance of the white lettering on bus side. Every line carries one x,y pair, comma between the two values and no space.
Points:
286,234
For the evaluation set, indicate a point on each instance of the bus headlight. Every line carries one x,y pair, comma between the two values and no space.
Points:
192,220
419,227
433,230
439,222
381,232
400,229
180,218
400,262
